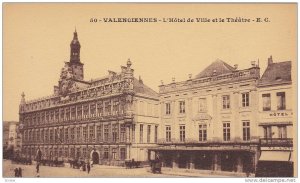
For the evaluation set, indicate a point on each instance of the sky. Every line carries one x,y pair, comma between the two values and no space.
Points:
37,36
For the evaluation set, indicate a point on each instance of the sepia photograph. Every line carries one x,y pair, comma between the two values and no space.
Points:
149,90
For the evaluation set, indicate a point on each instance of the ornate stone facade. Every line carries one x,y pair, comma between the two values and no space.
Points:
97,120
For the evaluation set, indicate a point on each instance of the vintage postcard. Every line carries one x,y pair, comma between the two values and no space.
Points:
149,90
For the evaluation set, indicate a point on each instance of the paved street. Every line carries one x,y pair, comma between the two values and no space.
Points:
96,171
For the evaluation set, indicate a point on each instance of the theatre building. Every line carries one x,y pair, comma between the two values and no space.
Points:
107,120
209,122
276,119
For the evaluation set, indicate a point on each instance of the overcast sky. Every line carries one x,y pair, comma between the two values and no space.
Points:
37,42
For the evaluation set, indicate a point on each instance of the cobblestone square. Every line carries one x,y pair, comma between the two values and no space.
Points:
66,171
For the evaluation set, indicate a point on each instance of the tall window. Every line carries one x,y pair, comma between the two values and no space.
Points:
141,133
181,107
51,135
61,135
62,114
246,130
202,105
78,134
56,115
33,136
79,112
268,131
114,153
226,131
68,113
47,117
116,107
168,133
266,101
106,132
280,101
99,108
91,133
245,99
226,101
114,132
85,133
282,132
84,152
133,133
93,109
66,134
66,152
105,155
107,106
148,133
122,153
182,133
73,113
122,133
202,132
72,134
46,135
99,133
155,134
85,111
168,108
60,152
42,135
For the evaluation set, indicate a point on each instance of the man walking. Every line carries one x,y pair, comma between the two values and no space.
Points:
88,167
16,172
37,167
20,172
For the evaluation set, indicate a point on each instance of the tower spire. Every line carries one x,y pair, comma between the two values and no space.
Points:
75,48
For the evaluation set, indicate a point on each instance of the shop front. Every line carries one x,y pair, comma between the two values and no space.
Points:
204,158
275,163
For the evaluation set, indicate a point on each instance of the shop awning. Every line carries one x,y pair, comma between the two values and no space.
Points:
275,156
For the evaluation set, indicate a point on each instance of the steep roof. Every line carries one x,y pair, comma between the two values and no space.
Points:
140,87
277,73
218,66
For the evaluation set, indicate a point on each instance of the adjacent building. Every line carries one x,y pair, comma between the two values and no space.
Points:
106,120
276,118
11,138
210,121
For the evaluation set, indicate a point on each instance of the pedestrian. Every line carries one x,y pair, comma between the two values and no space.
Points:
16,172
88,167
20,172
37,167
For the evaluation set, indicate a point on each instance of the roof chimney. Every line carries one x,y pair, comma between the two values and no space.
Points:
253,63
270,60
140,80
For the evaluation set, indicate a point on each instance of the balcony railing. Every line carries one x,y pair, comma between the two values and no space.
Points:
276,142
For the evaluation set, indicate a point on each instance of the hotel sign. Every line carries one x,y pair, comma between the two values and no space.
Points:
276,148
278,114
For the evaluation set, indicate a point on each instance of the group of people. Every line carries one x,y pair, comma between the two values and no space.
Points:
86,167
18,172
